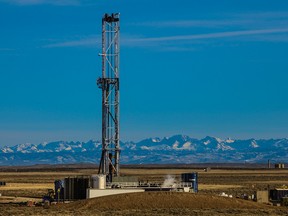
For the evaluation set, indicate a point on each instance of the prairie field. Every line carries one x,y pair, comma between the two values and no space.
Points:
31,184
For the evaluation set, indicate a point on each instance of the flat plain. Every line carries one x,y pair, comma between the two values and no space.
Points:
23,184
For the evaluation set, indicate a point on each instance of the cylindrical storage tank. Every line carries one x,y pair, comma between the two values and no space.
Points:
99,181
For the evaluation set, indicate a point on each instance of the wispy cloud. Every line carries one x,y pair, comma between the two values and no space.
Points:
193,23
214,35
141,41
252,26
264,15
279,38
243,20
6,49
177,49
92,41
39,2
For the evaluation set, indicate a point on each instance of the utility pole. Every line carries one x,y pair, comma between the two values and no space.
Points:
109,83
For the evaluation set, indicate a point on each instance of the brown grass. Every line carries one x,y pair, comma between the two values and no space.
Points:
26,186
235,182
152,203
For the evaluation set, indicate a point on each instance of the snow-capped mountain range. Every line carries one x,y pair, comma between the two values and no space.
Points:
168,150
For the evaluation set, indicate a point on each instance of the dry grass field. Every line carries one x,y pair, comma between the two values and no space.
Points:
23,185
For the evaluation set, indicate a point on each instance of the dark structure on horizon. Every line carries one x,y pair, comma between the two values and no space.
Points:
109,83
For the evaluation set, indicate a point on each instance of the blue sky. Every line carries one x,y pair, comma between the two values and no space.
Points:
189,67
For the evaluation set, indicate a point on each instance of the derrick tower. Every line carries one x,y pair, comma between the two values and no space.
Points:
109,83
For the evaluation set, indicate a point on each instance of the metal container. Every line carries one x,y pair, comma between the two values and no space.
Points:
99,181
191,178
280,166
75,188
278,194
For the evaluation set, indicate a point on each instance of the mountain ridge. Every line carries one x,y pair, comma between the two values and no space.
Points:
175,149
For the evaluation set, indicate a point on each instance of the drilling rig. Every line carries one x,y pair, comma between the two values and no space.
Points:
109,83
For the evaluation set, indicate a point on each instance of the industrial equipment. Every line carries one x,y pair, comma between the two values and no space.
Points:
75,188
59,190
49,197
109,83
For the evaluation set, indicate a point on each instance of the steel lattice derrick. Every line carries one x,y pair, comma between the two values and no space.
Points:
109,83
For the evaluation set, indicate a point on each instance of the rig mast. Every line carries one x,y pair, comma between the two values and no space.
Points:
109,83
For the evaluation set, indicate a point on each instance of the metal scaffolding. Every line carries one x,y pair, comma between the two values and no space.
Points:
109,83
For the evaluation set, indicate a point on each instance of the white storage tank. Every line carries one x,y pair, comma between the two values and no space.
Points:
99,181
